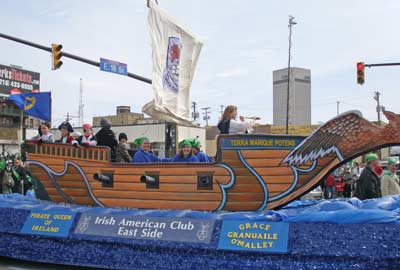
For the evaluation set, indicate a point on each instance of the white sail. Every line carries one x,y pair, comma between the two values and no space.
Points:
175,53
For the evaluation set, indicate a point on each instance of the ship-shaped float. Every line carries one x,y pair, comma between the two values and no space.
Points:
252,172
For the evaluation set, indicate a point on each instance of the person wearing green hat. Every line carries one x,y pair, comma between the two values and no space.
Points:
185,153
368,185
390,180
144,154
199,154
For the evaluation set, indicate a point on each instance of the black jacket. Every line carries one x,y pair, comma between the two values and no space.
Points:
368,185
106,137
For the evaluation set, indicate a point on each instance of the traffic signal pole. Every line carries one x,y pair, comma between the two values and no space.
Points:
382,65
362,65
69,55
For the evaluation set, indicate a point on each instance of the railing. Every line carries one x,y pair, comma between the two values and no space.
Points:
68,151
12,112
9,125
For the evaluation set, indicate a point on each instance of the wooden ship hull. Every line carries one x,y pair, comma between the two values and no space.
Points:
239,180
251,173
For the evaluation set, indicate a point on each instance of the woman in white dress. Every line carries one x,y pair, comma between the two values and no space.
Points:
229,124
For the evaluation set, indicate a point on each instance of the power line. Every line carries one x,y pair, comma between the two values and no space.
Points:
354,105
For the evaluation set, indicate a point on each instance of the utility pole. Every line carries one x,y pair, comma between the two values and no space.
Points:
221,111
378,111
378,106
206,113
195,114
69,117
291,23
337,107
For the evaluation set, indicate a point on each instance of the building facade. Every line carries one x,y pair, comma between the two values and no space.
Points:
10,126
299,97
124,116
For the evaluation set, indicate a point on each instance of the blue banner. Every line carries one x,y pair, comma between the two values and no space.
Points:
35,104
269,237
260,142
147,228
50,223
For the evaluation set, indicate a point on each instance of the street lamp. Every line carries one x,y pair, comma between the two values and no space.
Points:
291,23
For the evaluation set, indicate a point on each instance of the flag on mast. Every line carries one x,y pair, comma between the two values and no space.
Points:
175,51
35,104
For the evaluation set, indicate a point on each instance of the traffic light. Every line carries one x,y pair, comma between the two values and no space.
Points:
360,73
56,55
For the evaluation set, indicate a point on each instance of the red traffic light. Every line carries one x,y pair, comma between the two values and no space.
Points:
360,73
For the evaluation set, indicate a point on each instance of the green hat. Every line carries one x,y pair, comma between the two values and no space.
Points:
140,140
195,143
184,142
371,157
392,161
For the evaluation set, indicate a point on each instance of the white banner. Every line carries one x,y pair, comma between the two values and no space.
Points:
175,54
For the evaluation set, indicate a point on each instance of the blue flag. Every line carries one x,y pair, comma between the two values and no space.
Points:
35,104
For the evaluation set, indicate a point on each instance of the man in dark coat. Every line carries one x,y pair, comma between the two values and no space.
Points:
106,137
369,185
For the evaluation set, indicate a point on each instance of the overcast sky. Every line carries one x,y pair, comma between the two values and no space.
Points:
244,41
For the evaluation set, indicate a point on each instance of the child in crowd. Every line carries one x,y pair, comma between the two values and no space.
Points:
330,186
339,186
87,139
144,154
66,129
199,154
44,134
122,154
185,153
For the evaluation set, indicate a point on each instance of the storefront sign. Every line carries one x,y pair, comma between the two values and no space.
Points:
50,223
269,237
147,228
18,81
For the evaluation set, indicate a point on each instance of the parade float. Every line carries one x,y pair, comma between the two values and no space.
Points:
143,215
252,172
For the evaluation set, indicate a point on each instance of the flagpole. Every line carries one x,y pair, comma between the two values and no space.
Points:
21,126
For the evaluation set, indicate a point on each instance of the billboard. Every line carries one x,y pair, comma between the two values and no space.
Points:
17,81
